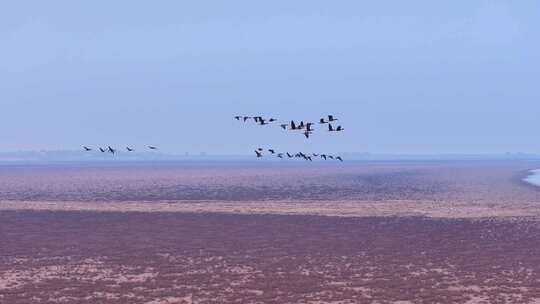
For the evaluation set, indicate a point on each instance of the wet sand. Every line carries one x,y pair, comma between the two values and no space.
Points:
416,232
351,208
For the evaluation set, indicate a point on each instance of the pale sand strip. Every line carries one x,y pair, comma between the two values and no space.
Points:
341,208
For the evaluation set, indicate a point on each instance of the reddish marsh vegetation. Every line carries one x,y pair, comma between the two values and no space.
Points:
86,257
244,181
179,256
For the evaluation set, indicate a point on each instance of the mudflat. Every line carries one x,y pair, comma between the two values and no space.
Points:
361,232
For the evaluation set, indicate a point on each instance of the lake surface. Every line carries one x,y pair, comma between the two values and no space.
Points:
534,177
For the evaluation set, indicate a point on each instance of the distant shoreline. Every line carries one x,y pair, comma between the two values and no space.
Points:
162,156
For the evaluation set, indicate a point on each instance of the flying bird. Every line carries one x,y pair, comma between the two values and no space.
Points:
237,117
101,149
307,133
259,154
272,151
289,155
152,148
87,149
331,118
339,158
111,149
284,126
293,125
280,155
260,149
272,120
129,149
330,128
339,129
330,156
323,156
321,121
246,118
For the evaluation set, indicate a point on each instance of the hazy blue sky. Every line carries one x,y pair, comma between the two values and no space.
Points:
403,76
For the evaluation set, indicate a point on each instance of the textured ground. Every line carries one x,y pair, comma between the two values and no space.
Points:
86,257
440,232
438,189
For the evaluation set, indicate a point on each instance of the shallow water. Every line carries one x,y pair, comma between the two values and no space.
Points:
534,177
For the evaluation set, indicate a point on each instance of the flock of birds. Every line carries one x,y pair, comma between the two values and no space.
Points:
305,128
113,150
305,156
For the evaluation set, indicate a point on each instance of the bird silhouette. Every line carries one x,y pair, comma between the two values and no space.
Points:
289,155
339,158
331,118
293,125
301,125
87,149
259,154
304,156
330,128
152,148
260,149
272,151
330,156
321,121
129,149
339,129
307,133
101,149
323,156
257,118
237,117
272,120
111,149
262,122
308,126
246,118
284,126
280,155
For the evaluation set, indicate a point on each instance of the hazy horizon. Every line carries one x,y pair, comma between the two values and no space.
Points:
122,156
417,77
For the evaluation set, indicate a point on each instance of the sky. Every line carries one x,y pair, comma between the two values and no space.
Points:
419,77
